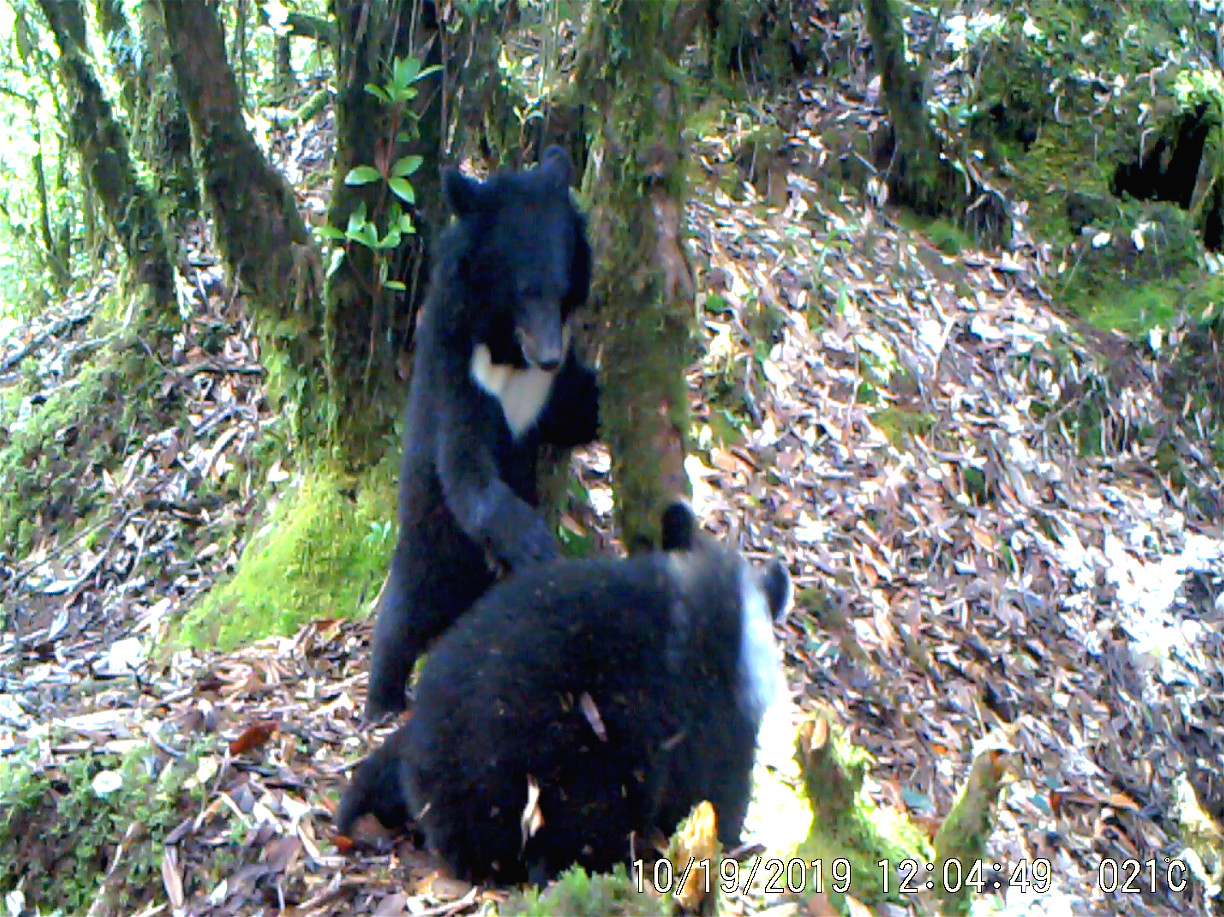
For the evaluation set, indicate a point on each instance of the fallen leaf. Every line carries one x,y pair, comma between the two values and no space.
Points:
697,848
171,878
344,843
856,908
253,736
532,820
591,712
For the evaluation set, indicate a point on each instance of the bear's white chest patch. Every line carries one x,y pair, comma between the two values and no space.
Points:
522,393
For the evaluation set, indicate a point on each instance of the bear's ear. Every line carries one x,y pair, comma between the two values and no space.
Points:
463,194
557,167
679,528
779,593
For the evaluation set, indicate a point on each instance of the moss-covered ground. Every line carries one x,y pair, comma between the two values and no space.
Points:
323,552
61,828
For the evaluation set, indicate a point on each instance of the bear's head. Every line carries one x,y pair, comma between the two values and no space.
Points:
525,263
715,579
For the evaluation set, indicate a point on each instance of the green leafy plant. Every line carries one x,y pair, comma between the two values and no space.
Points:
80,814
383,231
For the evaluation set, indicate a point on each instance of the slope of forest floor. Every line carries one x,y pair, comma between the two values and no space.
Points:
961,481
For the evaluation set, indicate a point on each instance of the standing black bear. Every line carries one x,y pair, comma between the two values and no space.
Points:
625,691
494,377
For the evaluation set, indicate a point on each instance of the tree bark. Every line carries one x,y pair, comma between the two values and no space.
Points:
58,262
103,147
369,324
261,235
643,286
238,54
918,176
163,131
121,48
365,319
286,82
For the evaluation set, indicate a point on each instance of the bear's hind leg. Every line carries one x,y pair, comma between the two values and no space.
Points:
395,643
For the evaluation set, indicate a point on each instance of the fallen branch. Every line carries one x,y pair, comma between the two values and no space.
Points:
57,328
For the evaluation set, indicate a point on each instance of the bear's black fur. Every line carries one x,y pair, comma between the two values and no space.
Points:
626,690
494,377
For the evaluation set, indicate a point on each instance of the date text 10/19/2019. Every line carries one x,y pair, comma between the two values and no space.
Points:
795,876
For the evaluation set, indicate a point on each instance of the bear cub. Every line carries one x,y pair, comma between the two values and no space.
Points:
623,691
494,377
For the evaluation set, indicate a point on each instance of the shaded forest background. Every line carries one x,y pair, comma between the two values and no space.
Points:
925,298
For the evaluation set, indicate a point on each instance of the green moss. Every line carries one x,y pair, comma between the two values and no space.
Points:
898,423
948,238
578,894
811,806
846,825
966,829
1064,164
58,833
1057,165
1143,274
1202,833
323,552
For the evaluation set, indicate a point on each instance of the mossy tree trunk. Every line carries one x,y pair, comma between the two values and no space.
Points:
65,203
755,38
102,144
57,261
121,48
966,830
286,81
262,237
368,323
919,176
643,286
365,318
162,131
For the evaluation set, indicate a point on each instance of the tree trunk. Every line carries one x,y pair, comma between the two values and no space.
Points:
260,233
919,177
95,239
163,131
286,82
365,318
64,184
160,134
58,266
369,323
103,148
643,286
755,39
121,48
238,53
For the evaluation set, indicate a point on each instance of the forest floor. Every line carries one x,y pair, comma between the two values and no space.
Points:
909,431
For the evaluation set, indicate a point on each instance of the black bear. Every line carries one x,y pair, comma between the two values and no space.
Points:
494,377
623,692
